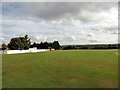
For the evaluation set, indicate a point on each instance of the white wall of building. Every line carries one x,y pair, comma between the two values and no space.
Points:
31,50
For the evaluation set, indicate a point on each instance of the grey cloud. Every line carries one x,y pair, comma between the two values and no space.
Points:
69,38
58,10
114,33
52,11
93,40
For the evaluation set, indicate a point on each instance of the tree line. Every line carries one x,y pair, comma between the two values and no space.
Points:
46,45
24,43
98,46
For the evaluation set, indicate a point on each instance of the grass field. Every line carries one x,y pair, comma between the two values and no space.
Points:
61,69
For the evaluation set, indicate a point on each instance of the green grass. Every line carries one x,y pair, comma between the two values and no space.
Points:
61,69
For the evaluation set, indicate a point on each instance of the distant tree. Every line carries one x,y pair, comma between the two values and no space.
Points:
50,46
14,44
82,47
4,46
19,43
46,45
34,45
56,45
41,45
69,47
26,42
109,46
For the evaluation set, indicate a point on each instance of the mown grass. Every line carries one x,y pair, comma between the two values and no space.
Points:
61,69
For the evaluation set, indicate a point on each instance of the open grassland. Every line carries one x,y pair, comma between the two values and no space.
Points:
61,69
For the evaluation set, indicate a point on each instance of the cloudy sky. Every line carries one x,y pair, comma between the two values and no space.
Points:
67,22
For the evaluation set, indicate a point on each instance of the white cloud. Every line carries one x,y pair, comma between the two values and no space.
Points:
73,37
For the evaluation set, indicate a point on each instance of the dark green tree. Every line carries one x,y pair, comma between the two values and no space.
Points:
19,43
15,44
4,46
26,42
56,45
